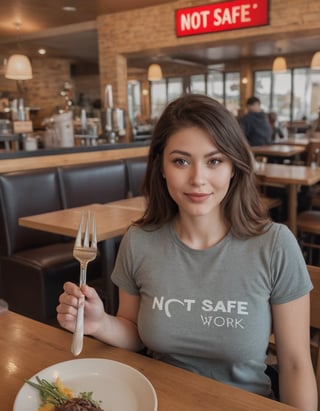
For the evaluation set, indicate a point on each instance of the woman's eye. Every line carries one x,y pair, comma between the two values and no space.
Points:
181,162
214,161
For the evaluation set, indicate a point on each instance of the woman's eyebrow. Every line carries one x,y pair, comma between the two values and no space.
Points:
185,153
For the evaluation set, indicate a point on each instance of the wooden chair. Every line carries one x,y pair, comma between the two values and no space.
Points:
313,159
308,222
314,324
308,226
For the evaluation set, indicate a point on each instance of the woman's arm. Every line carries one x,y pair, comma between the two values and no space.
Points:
120,331
291,323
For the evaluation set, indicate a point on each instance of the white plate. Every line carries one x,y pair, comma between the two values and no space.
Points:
119,386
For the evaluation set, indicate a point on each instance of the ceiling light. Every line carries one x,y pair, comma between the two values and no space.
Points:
18,68
42,51
315,62
154,72
279,65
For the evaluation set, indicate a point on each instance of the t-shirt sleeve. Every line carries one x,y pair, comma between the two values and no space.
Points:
123,272
290,277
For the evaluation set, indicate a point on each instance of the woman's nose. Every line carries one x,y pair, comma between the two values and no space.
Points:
197,175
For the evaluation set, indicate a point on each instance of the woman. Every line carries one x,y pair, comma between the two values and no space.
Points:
204,275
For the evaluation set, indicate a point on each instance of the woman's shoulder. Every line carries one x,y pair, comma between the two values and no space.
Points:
273,234
279,230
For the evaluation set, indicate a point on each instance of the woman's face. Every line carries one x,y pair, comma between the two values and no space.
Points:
197,174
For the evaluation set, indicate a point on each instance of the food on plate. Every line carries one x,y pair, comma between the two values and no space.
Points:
57,397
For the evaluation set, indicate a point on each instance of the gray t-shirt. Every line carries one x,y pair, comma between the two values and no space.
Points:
208,311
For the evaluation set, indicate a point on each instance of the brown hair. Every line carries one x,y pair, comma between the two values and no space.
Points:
242,206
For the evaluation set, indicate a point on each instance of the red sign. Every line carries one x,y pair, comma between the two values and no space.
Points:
224,16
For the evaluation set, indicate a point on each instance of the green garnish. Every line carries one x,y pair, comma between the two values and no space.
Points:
50,394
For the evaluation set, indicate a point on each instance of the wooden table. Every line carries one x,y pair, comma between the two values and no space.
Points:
28,346
296,141
112,220
277,150
293,141
293,177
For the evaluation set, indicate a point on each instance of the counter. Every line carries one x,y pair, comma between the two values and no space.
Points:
44,158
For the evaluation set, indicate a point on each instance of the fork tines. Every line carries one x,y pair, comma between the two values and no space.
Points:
86,243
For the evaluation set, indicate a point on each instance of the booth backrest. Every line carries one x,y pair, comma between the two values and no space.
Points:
22,194
136,168
93,183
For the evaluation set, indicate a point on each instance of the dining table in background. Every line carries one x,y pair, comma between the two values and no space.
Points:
297,140
28,346
112,220
277,150
293,141
291,176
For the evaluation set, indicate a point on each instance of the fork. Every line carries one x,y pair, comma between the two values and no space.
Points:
84,252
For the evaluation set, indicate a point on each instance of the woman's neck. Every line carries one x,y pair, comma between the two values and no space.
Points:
201,232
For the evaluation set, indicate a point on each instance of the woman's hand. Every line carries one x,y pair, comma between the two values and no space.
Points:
68,307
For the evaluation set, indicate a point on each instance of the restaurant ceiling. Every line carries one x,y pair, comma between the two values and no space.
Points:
74,34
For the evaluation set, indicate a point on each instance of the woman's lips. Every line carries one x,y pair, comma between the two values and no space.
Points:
197,197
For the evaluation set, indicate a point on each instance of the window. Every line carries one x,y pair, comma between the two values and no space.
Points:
281,91
158,98
198,84
175,88
224,87
314,94
262,88
215,85
232,92
293,95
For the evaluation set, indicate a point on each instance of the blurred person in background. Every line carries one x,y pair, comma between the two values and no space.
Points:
255,124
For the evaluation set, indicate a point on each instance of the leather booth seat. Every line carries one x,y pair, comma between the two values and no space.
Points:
93,183
136,169
33,264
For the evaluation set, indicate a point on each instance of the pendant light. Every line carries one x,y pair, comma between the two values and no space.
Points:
18,66
154,72
315,62
279,64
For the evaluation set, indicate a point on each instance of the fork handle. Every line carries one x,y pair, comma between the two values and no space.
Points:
77,339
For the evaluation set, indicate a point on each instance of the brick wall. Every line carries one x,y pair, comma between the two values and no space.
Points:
49,76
